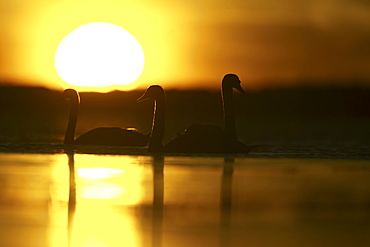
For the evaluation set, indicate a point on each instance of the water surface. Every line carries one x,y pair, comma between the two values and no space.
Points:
90,200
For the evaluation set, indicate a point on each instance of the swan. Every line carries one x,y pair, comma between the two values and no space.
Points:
107,136
197,138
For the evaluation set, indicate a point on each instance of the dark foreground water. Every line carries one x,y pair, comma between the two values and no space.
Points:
89,200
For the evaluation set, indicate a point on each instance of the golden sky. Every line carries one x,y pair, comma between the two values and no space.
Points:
192,43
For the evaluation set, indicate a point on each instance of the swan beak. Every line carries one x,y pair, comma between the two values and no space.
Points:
142,98
240,89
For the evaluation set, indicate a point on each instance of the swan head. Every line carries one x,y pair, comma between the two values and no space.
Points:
153,92
233,81
71,94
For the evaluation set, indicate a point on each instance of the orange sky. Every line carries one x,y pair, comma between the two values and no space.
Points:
192,44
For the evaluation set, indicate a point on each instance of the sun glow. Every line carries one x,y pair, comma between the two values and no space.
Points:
99,54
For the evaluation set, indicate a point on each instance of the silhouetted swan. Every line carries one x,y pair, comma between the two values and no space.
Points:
107,136
197,138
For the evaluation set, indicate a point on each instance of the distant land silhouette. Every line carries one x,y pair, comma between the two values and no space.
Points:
300,116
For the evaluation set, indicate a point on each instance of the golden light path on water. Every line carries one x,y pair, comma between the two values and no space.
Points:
104,187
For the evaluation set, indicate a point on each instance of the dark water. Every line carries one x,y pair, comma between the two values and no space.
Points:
260,151
134,200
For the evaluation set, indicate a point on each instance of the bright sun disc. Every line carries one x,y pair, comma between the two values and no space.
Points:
99,54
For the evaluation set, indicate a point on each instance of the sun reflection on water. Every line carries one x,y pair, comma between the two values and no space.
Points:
117,181
106,188
99,225
98,183
98,173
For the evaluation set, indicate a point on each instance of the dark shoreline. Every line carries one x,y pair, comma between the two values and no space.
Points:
264,152
291,118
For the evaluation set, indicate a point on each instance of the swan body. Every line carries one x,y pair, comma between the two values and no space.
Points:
106,136
204,139
198,138
113,136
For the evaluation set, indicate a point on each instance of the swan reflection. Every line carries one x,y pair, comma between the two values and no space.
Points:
158,197
72,195
226,201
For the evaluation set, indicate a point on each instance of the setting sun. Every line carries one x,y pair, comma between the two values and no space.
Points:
187,44
99,54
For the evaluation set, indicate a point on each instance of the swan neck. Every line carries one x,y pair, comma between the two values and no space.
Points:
229,116
158,126
72,121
